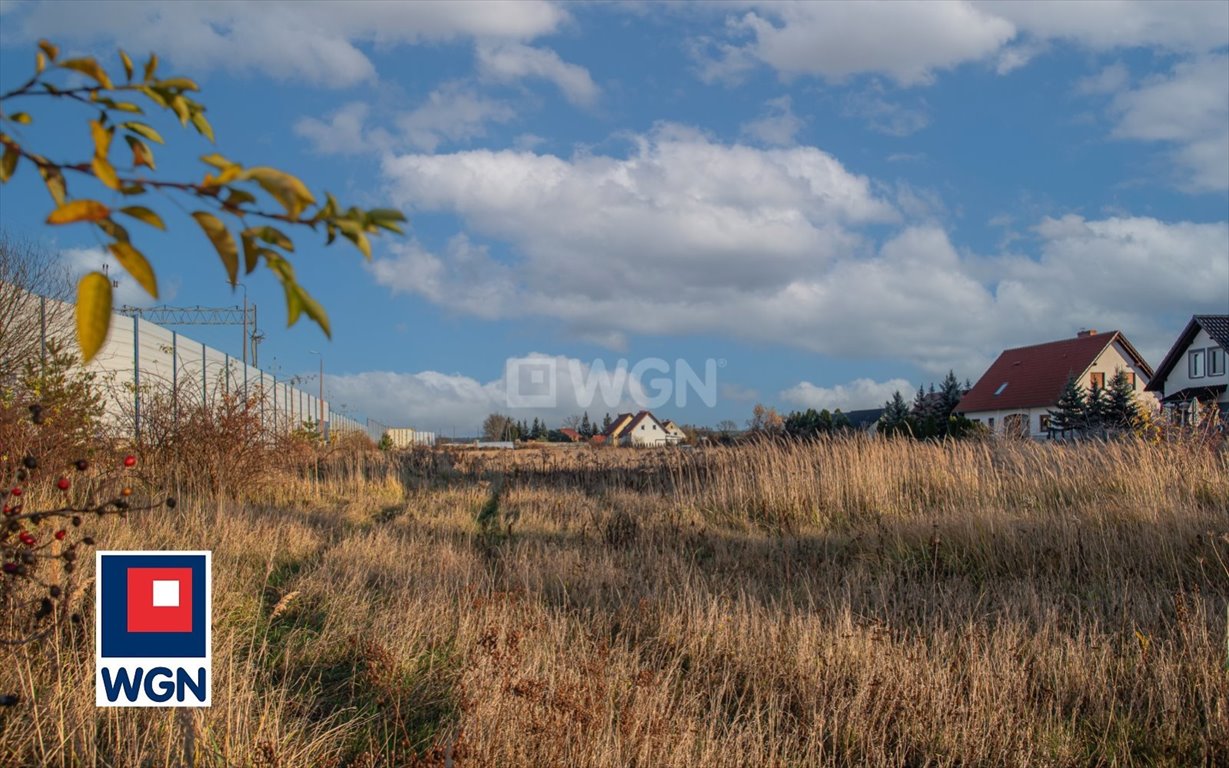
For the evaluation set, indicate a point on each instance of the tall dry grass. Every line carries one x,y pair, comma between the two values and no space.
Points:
842,603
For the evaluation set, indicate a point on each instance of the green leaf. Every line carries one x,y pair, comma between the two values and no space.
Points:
93,313
273,236
79,210
141,129
127,62
89,67
8,163
387,218
222,241
135,264
202,125
251,252
286,189
141,213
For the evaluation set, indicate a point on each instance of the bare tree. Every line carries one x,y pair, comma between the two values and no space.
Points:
497,426
30,272
572,422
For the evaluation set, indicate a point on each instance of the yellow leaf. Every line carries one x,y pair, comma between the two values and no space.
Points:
135,263
8,163
78,210
222,241
140,152
151,66
153,95
93,313
179,83
105,172
141,213
89,67
55,183
180,106
127,62
102,139
52,51
21,118
141,129
40,63
286,189
273,236
217,161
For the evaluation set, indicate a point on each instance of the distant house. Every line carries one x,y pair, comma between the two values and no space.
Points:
674,433
642,431
611,434
866,420
1194,374
570,434
1015,396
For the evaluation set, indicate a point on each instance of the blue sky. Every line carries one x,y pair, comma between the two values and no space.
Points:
833,200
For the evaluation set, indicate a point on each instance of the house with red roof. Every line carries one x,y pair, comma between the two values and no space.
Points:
1195,373
1016,394
571,434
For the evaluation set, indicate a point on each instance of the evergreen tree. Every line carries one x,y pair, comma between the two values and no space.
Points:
606,422
895,415
1121,412
1096,407
840,421
951,394
920,406
586,427
1068,414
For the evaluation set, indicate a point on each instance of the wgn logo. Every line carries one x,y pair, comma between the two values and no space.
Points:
152,629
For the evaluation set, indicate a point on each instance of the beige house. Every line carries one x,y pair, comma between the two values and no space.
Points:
1195,373
1016,394
674,433
644,430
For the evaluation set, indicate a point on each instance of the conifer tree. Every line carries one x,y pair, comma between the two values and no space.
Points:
586,427
1096,407
1121,412
606,422
895,415
951,394
1068,414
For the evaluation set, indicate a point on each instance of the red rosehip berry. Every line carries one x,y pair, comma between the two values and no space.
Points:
130,461
62,484
60,534
16,491
26,539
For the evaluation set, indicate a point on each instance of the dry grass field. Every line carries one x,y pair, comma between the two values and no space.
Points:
879,603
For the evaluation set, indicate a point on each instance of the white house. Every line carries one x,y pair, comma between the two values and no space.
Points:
1195,373
674,433
1016,394
642,431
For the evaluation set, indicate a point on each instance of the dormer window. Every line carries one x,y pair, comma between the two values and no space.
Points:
999,391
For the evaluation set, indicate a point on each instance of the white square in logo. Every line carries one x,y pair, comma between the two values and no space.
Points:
530,382
166,594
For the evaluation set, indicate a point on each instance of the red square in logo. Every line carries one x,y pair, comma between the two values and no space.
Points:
159,599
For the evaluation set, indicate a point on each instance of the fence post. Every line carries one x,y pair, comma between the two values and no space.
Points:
136,378
42,332
204,384
175,378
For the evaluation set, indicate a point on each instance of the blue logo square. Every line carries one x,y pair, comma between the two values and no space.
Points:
115,638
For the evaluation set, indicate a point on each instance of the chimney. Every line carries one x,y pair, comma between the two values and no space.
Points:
1086,333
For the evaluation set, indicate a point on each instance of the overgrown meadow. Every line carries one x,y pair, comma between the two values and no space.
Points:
842,602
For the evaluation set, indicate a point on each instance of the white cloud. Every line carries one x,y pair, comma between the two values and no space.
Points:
452,113
1189,108
447,402
1110,79
910,42
515,61
126,290
777,126
857,394
685,235
885,116
308,42
344,132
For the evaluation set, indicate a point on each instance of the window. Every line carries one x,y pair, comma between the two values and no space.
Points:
1194,364
1131,378
1216,361
991,423
1098,380
999,391
1044,422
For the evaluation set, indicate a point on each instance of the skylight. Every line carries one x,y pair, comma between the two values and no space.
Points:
999,391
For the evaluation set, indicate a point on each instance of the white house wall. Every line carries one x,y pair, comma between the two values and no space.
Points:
1180,378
